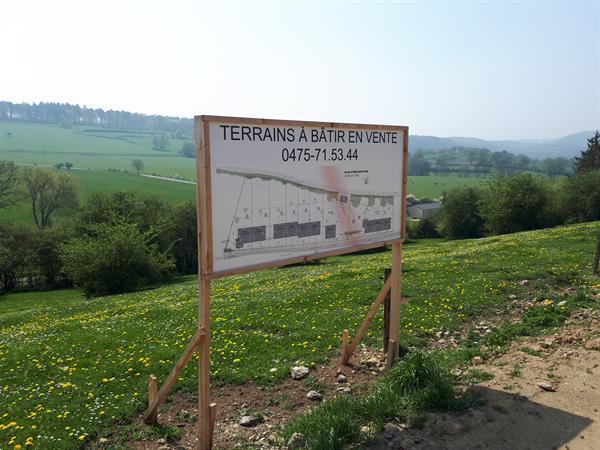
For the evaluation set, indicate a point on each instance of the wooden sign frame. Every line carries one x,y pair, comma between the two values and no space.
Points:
201,340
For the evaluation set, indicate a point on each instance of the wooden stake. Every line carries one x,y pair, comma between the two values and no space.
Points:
395,300
170,381
596,264
152,394
345,353
386,313
213,416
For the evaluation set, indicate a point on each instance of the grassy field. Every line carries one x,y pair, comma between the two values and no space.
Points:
97,150
90,148
434,186
72,367
91,181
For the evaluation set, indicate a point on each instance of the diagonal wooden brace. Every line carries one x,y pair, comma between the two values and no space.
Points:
347,351
155,400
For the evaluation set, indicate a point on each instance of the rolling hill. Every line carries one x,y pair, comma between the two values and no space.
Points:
567,146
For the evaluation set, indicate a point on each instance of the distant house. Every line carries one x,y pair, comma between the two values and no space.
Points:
423,211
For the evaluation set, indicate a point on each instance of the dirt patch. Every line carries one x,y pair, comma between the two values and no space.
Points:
273,406
544,394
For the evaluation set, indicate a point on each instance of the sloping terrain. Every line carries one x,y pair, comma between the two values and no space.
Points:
71,368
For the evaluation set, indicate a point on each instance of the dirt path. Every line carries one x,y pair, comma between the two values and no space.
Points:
514,412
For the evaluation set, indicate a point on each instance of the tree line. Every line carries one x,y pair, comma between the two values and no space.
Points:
114,242
68,115
520,202
120,241
470,161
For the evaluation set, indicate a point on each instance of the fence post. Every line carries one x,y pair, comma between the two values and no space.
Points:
386,313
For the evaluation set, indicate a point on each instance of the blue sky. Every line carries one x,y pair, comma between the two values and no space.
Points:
502,70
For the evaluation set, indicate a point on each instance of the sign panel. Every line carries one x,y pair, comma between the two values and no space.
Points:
283,190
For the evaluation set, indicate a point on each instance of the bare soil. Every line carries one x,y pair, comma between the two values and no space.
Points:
274,405
513,411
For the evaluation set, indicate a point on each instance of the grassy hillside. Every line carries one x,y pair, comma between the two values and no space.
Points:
71,367
104,181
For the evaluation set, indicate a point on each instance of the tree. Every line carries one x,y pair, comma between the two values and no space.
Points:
590,158
503,161
113,259
188,150
148,212
160,143
418,165
50,192
423,229
15,254
484,158
516,203
9,192
59,166
137,165
523,162
555,166
68,165
460,215
185,249
46,243
579,197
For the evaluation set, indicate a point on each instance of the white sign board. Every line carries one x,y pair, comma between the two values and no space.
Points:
281,190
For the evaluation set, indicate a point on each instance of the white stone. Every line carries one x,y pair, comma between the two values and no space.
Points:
314,395
299,372
249,421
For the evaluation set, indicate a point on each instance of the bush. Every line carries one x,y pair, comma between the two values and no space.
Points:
422,229
46,244
113,259
460,215
580,197
148,212
517,203
16,255
185,249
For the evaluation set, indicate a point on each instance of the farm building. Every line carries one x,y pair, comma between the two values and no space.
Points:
423,211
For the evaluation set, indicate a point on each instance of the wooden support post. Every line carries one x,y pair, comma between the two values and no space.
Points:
205,267
170,381
152,394
345,354
386,313
596,264
390,354
205,429
395,300
213,417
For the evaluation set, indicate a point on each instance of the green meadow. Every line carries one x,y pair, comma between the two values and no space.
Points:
94,150
71,368
434,186
90,148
